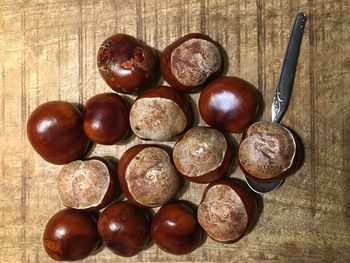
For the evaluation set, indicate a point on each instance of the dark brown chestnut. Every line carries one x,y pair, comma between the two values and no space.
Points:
229,104
124,228
88,185
159,114
55,130
191,61
147,175
203,155
126,63
227,210
71,235
268,152
175,228
106,118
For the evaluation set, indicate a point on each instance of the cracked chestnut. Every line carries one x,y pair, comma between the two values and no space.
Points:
203,155
191,61
268,152
88,184
126,64
227,210
147,175
159,114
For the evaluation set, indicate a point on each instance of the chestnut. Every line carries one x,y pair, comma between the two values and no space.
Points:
147,176
230,104
175,228
126,64
191,61
227,210
159,114
71,235
124,228
268,152
89,184
55,130
106,118
203,155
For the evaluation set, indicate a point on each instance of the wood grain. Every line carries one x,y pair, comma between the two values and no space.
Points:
48,52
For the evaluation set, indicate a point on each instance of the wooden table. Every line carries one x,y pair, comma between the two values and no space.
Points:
48,52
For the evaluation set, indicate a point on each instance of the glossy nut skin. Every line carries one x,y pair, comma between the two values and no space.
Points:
112,191
229,104
71,235
175,228
165,62
126,64
248,199
124,228
106,118
162,92
123,164
55,130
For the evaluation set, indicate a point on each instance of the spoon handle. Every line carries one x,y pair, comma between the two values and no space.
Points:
285,86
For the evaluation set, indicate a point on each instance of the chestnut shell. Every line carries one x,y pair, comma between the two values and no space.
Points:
175,228
124,228
126,64
123,164
55,130
170,94
71,235
296,162
217,173
113,189
106,118
165,62
229,104
247,197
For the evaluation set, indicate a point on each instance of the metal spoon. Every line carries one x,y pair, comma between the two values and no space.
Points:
283,92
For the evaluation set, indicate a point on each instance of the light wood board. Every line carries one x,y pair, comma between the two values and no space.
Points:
48,52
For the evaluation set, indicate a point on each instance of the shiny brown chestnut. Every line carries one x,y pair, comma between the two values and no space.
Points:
71,235
175,228
126,64
268,152
147,175
124,228
159,114
227,210
106,118
191,61
203,155
230,104
55,130
88,185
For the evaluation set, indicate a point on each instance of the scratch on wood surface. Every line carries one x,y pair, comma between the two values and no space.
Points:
138,19
238,34
80,55
203,21
261,46
155,35
312,75
59,61
23,212
94,51
3,99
